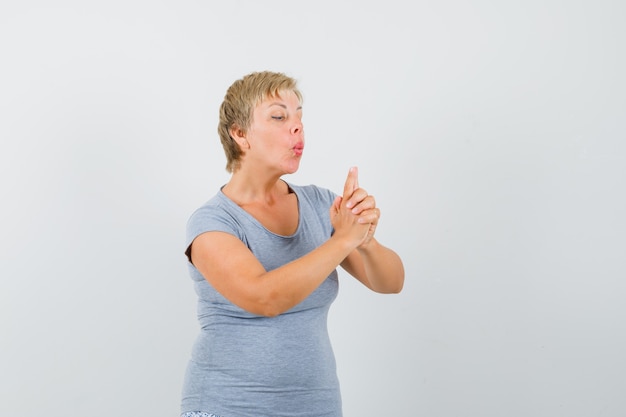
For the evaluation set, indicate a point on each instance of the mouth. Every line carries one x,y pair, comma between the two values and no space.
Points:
298,149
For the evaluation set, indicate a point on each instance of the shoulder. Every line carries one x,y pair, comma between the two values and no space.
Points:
211,208
214,215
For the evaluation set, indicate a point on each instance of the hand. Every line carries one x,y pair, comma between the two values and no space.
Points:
360,204
363,205
345,221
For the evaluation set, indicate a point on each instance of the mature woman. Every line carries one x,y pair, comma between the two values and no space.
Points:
263,255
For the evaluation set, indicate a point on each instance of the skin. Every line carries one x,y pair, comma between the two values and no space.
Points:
273,146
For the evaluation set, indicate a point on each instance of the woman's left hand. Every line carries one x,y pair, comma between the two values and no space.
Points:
361,204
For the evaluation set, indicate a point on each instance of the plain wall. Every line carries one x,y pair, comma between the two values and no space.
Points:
492,134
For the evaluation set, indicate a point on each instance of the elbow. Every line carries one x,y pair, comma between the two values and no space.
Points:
263,310
393,289
391,286
399,284
397,289
269,312
270,306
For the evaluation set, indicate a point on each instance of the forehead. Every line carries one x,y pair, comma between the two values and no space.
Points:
284,97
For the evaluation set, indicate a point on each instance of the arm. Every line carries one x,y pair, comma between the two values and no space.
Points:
234,271
376,266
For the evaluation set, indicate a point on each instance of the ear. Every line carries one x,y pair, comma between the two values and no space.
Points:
239,136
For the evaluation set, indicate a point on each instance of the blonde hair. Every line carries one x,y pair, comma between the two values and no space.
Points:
239,102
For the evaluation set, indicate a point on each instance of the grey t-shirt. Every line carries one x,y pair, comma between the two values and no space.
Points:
243,364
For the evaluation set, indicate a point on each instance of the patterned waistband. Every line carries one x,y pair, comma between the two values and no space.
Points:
197,414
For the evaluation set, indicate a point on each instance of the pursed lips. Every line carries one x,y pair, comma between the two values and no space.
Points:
298,149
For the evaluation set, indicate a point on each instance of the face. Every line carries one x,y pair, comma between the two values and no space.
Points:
276,134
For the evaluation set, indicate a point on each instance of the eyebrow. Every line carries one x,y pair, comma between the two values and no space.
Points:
282,105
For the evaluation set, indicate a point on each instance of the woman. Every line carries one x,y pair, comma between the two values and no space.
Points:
263,254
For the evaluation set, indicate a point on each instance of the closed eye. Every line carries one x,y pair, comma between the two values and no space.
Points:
278,117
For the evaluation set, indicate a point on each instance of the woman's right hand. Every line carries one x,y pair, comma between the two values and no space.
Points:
344,221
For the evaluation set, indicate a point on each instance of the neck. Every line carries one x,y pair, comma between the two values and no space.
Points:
246,187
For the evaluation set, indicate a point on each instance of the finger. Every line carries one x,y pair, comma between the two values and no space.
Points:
352,183
369,216
361,201
336,204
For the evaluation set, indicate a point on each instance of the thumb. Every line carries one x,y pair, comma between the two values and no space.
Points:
334,208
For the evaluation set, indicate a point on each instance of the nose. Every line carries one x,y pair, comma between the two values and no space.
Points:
297,128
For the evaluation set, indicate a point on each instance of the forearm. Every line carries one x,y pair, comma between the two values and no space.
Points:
383,268
284,287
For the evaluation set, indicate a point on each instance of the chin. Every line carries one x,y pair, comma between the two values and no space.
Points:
292,167
291,171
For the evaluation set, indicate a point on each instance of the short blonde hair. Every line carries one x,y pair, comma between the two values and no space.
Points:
239,102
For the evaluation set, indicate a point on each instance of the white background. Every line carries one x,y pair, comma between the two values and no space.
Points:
491,132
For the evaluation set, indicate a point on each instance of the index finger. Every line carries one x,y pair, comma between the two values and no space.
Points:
352,182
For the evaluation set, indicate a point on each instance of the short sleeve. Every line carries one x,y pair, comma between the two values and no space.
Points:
211,217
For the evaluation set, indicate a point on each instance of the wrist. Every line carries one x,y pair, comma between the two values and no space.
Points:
342,244
368,247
